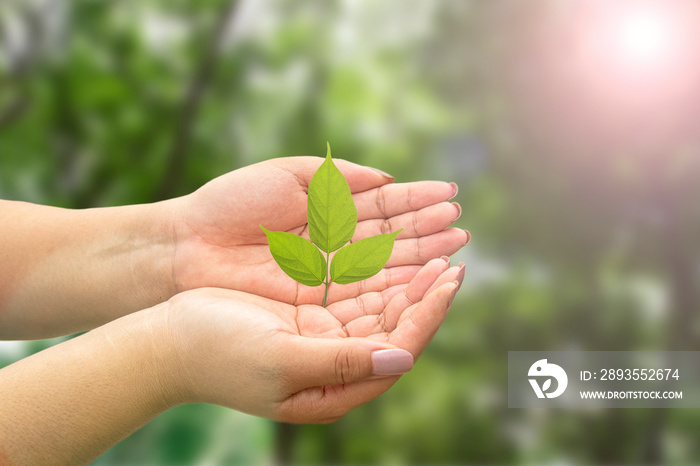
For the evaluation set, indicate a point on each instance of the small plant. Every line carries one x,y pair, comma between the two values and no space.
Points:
332,219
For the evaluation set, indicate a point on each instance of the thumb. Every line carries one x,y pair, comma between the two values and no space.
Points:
314,362
360,178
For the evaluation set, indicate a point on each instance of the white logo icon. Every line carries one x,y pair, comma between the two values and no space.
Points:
542,369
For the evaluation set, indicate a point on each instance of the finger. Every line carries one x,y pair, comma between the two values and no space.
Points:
384,322
395,199
453,274
416,290
329,403
450,275
415,332
315,362
359,177
367,304
423,222
420,250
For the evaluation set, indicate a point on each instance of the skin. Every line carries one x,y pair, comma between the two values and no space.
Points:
79,269
184,304
291,363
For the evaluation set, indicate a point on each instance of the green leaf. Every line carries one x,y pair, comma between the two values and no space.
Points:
330,209
297,257
362,259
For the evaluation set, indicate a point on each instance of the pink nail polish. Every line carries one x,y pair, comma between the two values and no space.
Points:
469,236
391,362
460,274
445,258
459,211
384,174
454,292
455,190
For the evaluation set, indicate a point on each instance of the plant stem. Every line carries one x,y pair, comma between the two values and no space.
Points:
328,279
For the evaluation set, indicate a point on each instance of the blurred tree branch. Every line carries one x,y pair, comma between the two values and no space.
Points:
175,169
20,64
13,110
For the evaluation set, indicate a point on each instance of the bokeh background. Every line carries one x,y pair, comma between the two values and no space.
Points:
571,126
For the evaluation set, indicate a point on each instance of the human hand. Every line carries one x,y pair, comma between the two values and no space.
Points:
302,363
291,363
219,242
67,271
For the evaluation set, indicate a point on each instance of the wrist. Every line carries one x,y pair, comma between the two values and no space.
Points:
150,360
165,373
152,261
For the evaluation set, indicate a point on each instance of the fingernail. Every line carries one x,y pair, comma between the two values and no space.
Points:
460,274
455,189
391,362
384,174
454,292
459,211
469,237
445,258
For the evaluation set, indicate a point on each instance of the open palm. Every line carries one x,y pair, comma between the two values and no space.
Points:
219,242
299,363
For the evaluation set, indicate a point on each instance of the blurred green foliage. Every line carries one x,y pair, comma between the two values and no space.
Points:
585,230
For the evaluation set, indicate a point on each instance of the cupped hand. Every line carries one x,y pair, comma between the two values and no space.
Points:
303,363
219,242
